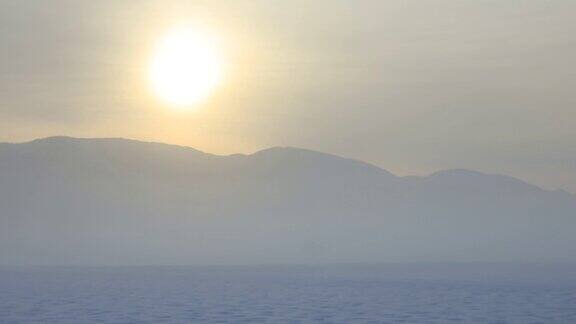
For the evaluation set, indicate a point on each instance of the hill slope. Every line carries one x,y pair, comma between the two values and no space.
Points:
116,201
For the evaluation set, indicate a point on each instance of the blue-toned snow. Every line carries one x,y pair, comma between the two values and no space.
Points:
282,294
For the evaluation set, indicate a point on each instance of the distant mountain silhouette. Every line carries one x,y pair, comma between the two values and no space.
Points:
115,201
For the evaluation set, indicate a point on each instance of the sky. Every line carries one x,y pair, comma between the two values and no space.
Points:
412,86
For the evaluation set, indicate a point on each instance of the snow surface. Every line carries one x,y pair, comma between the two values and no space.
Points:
328,294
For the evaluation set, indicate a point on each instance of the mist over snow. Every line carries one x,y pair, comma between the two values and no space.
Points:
67,201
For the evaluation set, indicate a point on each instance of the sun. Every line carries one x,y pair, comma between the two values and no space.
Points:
186,66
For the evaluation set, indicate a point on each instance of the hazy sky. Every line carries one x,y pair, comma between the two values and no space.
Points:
412,86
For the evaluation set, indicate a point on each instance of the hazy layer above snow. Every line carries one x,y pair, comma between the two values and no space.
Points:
114,201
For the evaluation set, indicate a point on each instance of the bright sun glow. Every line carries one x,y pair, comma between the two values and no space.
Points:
186,67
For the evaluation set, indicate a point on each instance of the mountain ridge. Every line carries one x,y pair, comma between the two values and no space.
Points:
286,150
116,201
